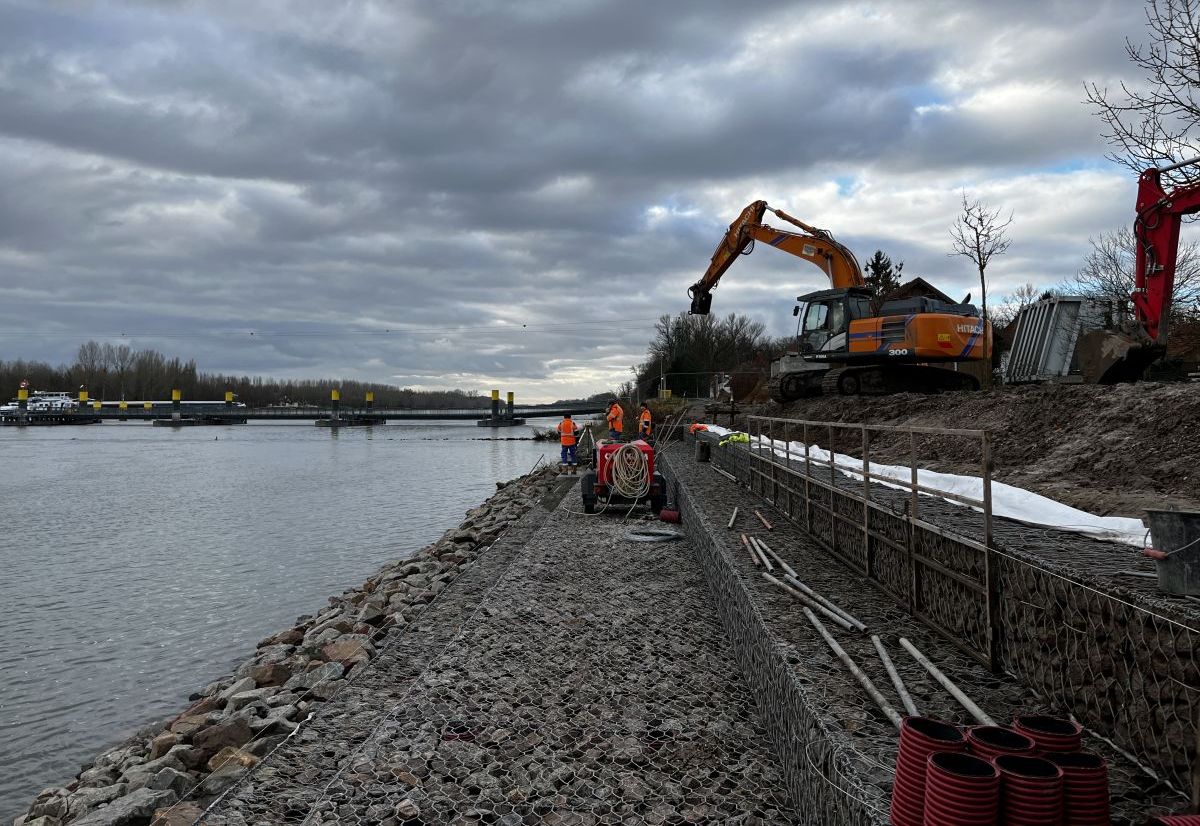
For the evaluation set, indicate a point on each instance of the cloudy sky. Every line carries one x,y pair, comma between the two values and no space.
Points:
465,193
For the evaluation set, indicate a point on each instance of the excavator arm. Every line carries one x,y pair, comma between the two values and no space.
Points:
814,245
1159,215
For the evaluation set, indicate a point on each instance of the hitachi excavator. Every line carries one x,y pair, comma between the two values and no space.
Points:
843,346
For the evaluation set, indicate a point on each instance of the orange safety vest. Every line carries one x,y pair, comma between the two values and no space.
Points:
566,431
615,416
644,423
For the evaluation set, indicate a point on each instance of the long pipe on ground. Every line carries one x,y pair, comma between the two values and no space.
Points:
728,476
808,603
890,667
947,684
837,609
758,546
732,517
787,569
750,548
862,678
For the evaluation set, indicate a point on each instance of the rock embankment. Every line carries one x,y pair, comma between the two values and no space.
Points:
168,772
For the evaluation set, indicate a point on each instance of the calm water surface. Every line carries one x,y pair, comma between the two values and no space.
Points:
138,563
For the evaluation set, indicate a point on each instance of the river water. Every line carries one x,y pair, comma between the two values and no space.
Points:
138,563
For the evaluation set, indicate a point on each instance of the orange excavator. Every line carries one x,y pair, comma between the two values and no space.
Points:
842,345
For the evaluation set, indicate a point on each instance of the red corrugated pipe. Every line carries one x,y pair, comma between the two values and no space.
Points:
1032,793
961,790
991,741
1050,733
1174,820
919,738
1085,788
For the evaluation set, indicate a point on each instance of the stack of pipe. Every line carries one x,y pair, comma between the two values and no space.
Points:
920,737
962,789
989,742
1050,733
1085,788
1033,790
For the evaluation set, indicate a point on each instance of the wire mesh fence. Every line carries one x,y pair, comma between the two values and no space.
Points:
1122,664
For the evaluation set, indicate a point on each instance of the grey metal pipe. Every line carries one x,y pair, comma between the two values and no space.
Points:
890,667
1173,166
948,684
808,603
787,569
750,548
862,678
762,554
858,624
732,517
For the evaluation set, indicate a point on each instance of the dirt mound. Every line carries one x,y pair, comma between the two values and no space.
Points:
1110,450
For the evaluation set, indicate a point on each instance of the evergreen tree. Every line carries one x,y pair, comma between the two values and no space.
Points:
882,275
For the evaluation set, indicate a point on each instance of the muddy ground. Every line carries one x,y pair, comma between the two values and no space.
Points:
1109,450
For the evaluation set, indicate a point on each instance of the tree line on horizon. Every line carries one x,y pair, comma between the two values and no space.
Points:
112,372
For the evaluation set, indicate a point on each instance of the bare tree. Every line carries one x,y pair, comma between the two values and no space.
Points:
1153,122
1014,303
1108,271
123,358
979,234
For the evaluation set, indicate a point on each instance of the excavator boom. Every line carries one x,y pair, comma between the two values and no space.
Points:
814,245
1159,215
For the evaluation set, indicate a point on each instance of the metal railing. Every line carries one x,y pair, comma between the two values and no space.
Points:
876,527
1123,664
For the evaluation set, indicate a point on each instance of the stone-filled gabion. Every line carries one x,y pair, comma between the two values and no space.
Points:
590,683
1072,626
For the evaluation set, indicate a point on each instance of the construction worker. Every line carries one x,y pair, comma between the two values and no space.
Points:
566,437
615,418
645,423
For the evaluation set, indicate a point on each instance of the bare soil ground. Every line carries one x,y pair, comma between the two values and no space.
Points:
1109,450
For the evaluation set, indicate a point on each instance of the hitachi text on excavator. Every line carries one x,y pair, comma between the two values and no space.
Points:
842,345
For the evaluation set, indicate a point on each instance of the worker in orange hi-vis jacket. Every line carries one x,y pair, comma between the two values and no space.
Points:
616,418
645,423
567,431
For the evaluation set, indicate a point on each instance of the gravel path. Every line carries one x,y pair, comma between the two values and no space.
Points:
574,677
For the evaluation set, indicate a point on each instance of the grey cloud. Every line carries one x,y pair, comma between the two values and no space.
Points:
206,169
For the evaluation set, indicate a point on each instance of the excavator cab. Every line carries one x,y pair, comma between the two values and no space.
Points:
825,318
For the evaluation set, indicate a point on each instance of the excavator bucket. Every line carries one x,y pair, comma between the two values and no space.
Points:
1112,356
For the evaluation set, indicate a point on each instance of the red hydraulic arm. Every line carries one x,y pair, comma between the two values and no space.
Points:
1156,229
814,245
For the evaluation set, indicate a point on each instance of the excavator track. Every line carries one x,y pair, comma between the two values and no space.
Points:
882,380
792,386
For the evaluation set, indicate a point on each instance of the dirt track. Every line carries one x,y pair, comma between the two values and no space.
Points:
1109,450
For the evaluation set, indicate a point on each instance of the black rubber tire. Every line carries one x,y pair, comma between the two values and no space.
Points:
589,504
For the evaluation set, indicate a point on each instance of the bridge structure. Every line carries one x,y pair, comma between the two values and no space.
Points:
182,413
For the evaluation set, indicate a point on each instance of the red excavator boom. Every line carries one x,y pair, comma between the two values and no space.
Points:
1159,215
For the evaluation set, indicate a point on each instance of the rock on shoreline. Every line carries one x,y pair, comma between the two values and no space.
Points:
235,722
